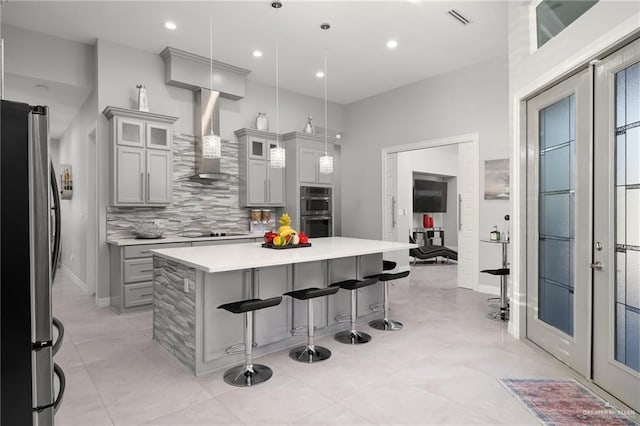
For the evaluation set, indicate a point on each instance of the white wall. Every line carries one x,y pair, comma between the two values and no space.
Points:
470,100
72,149
120,68
43,57
578,39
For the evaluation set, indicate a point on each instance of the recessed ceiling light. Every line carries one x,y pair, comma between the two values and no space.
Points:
392,44
320,74
257,54
170,25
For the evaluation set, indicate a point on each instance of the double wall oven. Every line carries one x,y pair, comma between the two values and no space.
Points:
316,207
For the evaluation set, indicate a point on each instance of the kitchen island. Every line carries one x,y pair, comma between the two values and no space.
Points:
189,284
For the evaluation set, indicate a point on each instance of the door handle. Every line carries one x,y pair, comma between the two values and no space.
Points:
596,266
459,212
393,212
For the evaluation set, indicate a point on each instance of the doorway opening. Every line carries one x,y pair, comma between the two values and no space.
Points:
431,194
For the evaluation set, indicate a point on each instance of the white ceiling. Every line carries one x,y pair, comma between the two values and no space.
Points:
359,64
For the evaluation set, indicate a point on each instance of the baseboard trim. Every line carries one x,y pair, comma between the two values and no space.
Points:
489,289
77,281
103,302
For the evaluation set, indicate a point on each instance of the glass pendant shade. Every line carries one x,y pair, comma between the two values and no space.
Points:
326,164
211,146
278,157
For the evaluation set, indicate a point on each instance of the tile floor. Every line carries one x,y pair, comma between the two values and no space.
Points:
440,369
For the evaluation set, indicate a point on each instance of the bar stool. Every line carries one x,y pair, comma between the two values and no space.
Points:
248,374
385,323
353,336
310,353
503,313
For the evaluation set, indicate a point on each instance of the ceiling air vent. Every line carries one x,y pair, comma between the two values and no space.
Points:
459,17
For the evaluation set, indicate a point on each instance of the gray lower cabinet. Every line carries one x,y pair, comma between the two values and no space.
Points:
132,272
131,276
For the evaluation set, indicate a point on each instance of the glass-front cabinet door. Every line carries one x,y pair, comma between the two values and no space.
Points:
558,211
616,258
158,136
130,132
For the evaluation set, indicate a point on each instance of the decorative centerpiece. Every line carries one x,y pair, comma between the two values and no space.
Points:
286,237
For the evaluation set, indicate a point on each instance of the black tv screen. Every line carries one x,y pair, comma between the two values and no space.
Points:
429,196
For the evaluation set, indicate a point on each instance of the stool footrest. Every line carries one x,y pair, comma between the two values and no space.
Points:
238,348
346,317
301,330
377,307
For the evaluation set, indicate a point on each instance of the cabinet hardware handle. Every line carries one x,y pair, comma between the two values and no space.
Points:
148,185
146,270
146,295
141,186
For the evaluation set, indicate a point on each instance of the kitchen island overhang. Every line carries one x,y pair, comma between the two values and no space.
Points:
191,282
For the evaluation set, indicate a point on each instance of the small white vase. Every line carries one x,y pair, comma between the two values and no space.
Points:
143,103
308,128
262,123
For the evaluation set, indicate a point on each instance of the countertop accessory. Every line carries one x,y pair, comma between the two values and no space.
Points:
262,123
288,246
143,103
148,230
325,162
277,154
308,127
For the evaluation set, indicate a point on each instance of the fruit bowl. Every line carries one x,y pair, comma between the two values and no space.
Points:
148,230
288,246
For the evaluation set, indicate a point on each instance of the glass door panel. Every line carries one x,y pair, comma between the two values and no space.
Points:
558,238
616,298
556,215
627,217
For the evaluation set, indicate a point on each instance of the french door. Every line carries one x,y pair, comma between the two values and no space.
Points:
616,255
583,229
558,229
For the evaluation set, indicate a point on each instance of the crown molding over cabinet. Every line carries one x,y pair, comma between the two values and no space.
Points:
190,71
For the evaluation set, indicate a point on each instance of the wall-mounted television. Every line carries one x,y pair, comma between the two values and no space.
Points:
429,194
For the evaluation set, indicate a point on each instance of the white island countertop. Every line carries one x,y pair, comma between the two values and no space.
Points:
233,257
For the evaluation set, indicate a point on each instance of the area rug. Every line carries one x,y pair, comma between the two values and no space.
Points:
565,403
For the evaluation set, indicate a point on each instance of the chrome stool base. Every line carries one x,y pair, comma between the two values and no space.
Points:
310,354
352,337
385,325
244,376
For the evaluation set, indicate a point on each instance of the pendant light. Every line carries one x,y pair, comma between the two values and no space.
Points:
211,143
277,154
325,162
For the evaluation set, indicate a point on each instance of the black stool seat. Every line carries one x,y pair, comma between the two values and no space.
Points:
250,305
388,265
355,284
312,292
501,271
391,277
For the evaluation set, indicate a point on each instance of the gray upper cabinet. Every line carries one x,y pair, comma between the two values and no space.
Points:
260,185
141,158
129,184
158,176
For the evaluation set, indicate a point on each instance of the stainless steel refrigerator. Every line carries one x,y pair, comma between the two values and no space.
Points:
30,234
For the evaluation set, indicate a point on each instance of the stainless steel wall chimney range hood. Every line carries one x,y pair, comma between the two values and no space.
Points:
207,104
